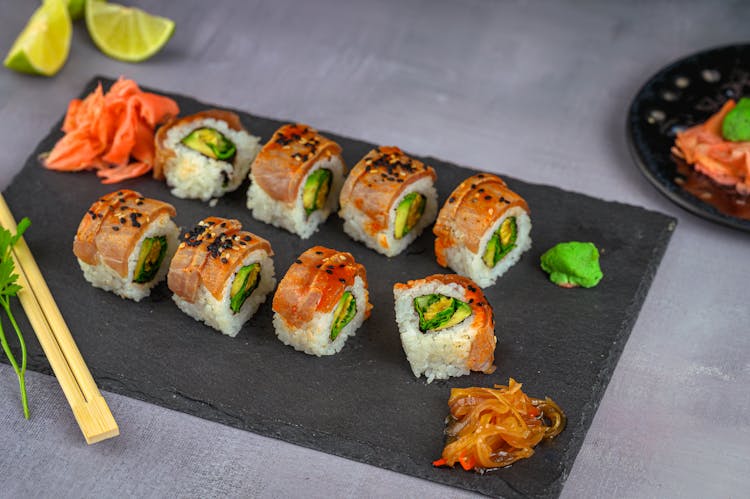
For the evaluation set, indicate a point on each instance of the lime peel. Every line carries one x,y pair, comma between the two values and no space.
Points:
126,33
43,46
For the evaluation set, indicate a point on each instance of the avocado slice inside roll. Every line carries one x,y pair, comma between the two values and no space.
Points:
150,257
343,314
245,282
501,243
438,311
316,189
211,143
408,213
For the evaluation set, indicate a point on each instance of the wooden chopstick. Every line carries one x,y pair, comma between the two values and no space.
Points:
89,407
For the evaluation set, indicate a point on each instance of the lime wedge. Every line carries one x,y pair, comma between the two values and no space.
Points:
75,8
126,33
43,45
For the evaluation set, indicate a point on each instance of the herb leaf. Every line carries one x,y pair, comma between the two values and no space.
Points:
10,288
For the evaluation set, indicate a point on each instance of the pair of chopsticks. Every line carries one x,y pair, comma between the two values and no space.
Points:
89,407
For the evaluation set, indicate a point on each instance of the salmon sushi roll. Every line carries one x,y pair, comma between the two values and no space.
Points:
321,301
204,155
123,242
388,200
221,274
296,179
447,327
482,229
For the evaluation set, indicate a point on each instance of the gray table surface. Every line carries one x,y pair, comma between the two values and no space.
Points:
538,90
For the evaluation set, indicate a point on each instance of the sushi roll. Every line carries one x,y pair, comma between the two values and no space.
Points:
296,179
221,274
321,301
123,242
388,200
204,155
446,325
482,229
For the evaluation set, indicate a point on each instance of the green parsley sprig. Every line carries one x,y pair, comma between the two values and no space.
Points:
9,288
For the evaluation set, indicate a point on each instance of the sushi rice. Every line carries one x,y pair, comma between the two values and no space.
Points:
217,313
314,337
193,175
293,217
434,354
104,277
472,265
385,241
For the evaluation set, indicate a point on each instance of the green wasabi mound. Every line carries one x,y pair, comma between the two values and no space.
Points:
573,264
736,124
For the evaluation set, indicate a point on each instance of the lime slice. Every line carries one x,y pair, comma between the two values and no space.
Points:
43,45
126,33
75,8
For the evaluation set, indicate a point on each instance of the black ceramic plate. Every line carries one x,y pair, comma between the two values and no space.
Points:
680,95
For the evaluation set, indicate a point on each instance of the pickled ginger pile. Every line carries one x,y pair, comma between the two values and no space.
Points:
719,148
111,132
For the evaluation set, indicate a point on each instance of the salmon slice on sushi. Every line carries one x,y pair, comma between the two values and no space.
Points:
388,200
124,243
321,301
482,229
221,274
204,155
446,325
296,179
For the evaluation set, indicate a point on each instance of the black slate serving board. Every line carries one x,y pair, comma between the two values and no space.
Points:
364,403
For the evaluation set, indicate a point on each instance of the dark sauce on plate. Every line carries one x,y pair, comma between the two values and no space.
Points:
725,199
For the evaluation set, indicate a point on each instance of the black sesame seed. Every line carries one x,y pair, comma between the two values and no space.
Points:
298,262
329,271
473,186
122,220
480,191
318,252
452,199
115,228
342,281
471,288
487,197
224,260
481,175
